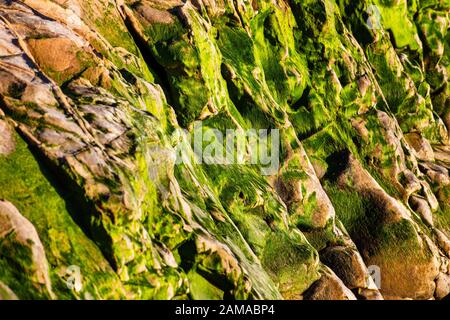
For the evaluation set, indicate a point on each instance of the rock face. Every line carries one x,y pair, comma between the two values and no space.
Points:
22,247
6,293
7,143
102,192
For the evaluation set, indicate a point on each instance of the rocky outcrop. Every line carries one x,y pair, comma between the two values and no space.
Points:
21,246
103,194
6,293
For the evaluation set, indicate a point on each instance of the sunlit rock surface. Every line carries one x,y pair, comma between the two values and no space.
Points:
99,100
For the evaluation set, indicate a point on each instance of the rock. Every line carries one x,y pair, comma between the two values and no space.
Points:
421,146
420,205
369,294
407,280
18,230
152,15
446,119
107,94
347,264
7,143
438,174
328,287
361,129
6,293
443,241
430,196
58,56
442,286
298,193
391,135
442,154
363,85
319,168
411,183
445,262
364,183
400,276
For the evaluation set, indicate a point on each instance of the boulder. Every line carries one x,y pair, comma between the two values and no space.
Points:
442,286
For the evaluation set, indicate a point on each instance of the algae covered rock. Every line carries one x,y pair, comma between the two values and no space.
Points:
329,287
22,248
167,149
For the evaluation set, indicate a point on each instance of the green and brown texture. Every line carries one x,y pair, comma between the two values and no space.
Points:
94,97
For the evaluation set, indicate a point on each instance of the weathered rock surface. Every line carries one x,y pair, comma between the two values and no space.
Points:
100,101
7,143
329,287
6,293
19,240
442,286
348,266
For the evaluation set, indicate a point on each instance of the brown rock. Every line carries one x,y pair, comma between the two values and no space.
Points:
151,15
407,277
411,183
442,286
347,264
369,294
429,196
58,57
446,119
6,293
360,127
421,207
292,193
442,153
443,241
319,168
328,287
363,85
364,183
407,274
